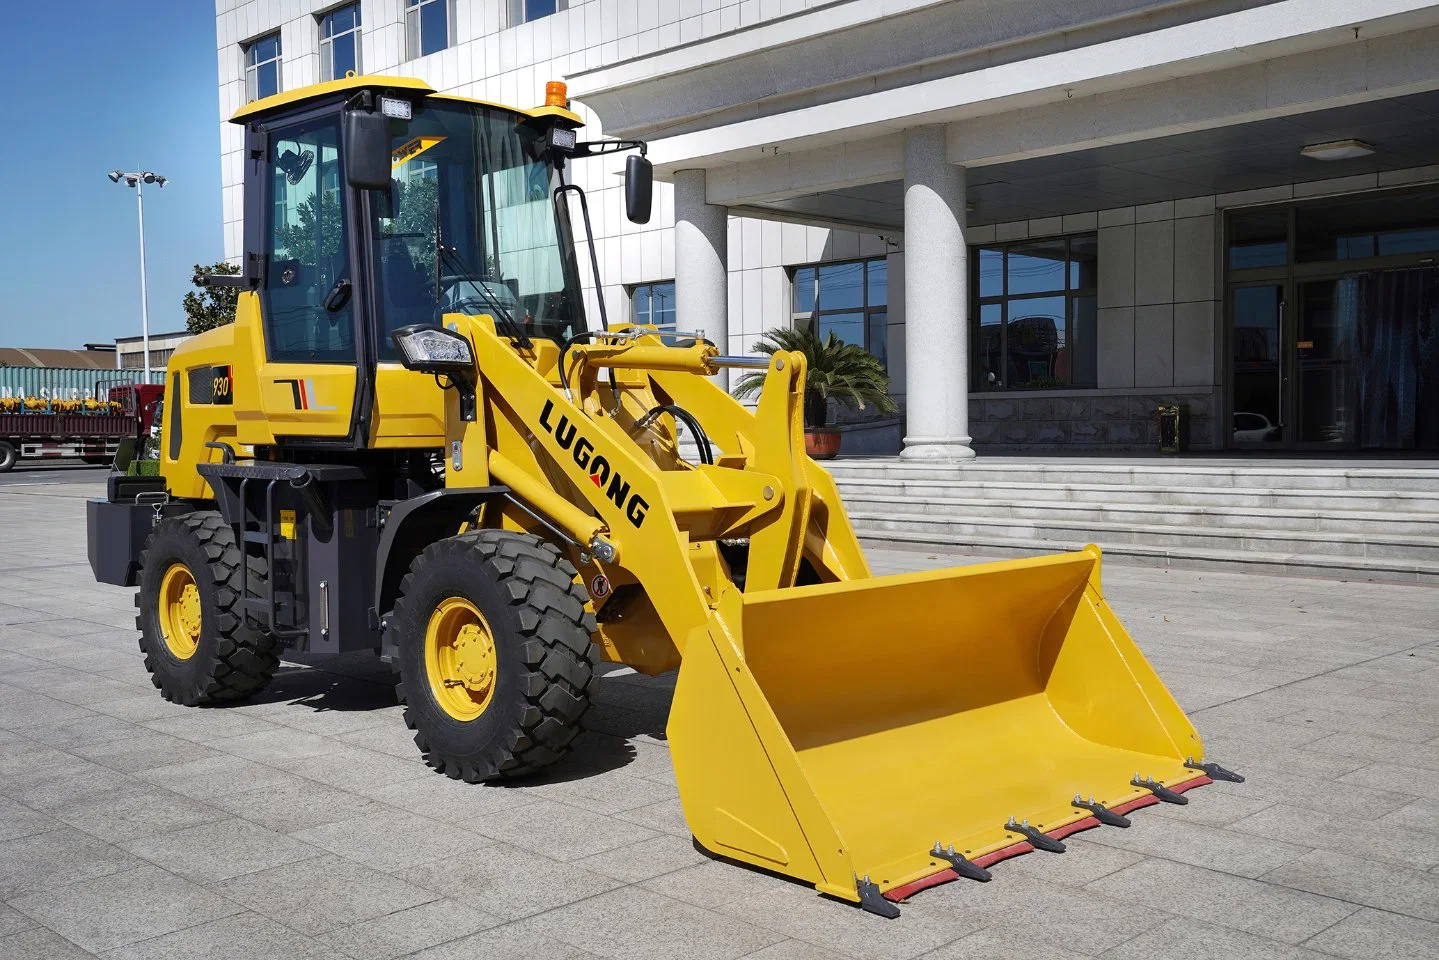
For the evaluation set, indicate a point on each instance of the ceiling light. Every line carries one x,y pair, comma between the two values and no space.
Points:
1338,150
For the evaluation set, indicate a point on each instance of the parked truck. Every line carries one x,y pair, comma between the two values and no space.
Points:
44,413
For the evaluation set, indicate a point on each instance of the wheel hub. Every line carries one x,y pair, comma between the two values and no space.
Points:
460,658
178,611
475,658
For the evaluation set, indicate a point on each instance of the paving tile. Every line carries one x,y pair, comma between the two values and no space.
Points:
645,859
40,944
440,797
1422,814
407,931
124,908
243,936
63,855
322,894
633,923
295,805
667,816
217,851
1358,838
13,921
138,811
273,745
1085,861
145,752
1383,886
1194,941
17,820
1004,941
91,728
1216,806
360,771
714,882
1237,902
1379,749
510,942
559,830
216,777
204,724
1374,934
75,785
1202,846
391,840
507,881
794,950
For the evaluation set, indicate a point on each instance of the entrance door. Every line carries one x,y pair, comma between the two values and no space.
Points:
1258,351
1325,398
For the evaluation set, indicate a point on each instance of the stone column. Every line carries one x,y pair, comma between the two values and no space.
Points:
701,263
936,301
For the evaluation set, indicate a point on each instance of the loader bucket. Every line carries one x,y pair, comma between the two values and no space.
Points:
836,732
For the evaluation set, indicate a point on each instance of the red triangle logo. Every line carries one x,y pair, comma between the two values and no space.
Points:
596,478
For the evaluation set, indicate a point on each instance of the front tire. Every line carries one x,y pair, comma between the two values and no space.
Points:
493,642
8,456
197,645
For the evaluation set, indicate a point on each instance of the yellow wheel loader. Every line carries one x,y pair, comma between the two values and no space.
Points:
415,439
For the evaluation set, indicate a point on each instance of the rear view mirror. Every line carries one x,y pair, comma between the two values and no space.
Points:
639,187
367,150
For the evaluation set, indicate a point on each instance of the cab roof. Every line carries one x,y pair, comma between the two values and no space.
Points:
315,91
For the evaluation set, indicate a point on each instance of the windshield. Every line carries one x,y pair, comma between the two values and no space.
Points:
469,227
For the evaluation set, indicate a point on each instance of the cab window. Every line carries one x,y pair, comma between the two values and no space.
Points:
307,308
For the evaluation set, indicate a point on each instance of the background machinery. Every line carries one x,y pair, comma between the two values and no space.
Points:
411,440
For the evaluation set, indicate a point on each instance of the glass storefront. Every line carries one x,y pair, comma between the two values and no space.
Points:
1333,311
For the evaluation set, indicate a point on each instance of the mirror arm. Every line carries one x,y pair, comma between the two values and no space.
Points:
598,148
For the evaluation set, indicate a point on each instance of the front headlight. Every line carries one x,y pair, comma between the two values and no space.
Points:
431,349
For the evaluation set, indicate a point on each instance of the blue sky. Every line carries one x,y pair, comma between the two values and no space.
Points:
93,89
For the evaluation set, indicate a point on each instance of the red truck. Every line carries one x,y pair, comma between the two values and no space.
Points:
91,429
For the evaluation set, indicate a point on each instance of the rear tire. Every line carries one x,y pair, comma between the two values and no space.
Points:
197,645
98,461
8,456
493,641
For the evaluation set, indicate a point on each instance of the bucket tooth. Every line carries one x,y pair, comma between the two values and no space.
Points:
1037,839
872,901
1100,812
1160,791
960,864
1214,771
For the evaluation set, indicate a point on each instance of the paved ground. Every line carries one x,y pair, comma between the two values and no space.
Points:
304,824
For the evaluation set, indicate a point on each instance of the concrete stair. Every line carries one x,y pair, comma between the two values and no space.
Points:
1337,519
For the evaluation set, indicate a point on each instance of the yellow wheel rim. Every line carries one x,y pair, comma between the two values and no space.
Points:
178,610
460,658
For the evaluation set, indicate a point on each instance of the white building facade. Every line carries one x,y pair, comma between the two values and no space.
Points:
1047,220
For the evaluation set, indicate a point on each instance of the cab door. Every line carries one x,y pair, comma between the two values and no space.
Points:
299,218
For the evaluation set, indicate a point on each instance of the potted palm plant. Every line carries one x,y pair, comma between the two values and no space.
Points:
848,373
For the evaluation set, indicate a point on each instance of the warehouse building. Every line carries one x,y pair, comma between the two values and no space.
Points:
1046,219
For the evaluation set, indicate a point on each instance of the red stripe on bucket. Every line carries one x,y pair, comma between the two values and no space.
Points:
1019,849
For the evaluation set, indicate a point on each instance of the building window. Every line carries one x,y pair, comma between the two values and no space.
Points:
262,68
523,11
427,26
1035,319
849,299
340,43
654,303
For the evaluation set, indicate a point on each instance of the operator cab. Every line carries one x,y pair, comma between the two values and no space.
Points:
374,203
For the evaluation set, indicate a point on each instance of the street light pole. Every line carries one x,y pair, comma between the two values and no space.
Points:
138,181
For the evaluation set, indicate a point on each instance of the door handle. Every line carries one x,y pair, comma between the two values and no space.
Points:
1282,351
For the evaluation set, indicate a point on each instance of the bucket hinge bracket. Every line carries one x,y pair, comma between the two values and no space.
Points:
1036,837
959,863
1213,771
1160,791
872,901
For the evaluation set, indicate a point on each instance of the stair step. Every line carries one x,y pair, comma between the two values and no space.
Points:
1245,561
1408,502
1198,474
1239,520
1376,545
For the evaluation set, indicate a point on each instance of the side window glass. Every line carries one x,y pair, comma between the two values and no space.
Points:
306,296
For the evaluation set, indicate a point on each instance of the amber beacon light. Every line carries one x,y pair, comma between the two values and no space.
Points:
556,95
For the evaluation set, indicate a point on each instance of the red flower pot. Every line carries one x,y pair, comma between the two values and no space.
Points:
822,444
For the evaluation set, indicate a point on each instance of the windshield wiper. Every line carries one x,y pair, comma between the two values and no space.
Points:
503,315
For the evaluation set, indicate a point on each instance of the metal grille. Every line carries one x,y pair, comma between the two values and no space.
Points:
202,385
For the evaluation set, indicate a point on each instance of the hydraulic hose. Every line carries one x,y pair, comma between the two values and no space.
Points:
702,440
